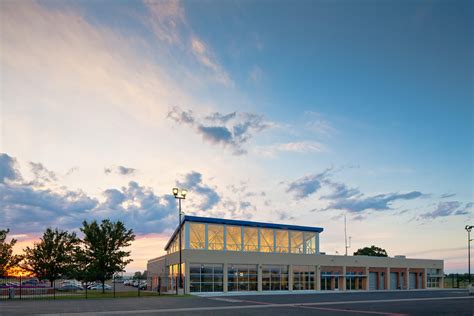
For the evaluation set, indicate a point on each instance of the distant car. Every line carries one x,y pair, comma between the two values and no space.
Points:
30,282
98,287
126,282
70,287
470,288
143,285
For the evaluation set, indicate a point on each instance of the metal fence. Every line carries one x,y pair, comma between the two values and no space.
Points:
456,280
13,288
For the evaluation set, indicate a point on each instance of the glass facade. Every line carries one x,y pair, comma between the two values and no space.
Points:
310,242
281,239
303,278
432,282
206,277
329,281
242,238
197,236
250,239
274,278
266,240
297,245
353,281
215,237
242,277
234,238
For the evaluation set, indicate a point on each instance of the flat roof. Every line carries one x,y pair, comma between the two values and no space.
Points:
211,220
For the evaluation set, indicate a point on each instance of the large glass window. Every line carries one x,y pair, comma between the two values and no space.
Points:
206,277
173,276
274,278
310,241
432,282
266,240
215,236
242,277
297,242
250,239
303,278
234,238
281,240
197,236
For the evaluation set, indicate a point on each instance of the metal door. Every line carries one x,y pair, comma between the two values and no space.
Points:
420,281
412,277
393,280
372,281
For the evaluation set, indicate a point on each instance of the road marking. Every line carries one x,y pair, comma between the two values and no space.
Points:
263,305
351,311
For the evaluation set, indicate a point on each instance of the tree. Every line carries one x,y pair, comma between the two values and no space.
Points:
7,259
371,251
103,248
53,256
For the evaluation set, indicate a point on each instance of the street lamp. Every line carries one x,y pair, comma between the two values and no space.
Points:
180,196
468,228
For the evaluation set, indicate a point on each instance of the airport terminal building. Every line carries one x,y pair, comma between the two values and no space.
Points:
221,255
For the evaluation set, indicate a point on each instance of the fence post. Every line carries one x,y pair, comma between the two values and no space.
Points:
113,281
54,289
159,285
139,281
20,286
457,280
86,289
176,285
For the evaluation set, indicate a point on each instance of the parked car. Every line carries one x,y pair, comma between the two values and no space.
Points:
127,282
143,285
30,282
98,287
70,287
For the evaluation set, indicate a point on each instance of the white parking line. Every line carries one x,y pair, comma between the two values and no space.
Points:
269,305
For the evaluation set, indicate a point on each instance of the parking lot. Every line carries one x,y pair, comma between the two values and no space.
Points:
440,302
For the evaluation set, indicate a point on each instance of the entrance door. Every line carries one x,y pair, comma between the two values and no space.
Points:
393,280
372,281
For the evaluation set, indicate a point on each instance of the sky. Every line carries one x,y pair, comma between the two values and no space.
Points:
298,112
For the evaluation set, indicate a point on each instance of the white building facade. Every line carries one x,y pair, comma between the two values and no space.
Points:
220,255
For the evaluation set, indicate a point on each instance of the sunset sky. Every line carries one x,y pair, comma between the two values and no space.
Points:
291,112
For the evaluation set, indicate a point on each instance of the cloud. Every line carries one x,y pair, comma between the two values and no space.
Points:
207,59
193,182
29,208
307,185
42,174
450,208
8,170
447,195
343,197
292,147
380,202
230,130
318,124
121,170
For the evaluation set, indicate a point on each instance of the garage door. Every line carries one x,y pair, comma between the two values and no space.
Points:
412,283
382,281
420,281
372,281
393,280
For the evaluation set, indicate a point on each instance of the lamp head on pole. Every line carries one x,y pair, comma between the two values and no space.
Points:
184,192
468,228
175,192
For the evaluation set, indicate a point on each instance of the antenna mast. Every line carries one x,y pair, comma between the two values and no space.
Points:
345,235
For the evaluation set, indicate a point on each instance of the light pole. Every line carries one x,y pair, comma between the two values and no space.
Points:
468,228
180,196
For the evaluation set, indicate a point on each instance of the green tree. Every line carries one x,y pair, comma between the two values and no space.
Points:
103,248
371,251
137,275
7,259
53,256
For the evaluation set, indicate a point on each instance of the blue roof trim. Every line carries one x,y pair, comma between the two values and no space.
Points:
210,220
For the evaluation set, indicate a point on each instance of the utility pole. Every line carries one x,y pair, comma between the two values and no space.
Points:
345,235
468,229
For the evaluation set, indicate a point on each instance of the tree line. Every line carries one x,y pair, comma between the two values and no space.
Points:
96,257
